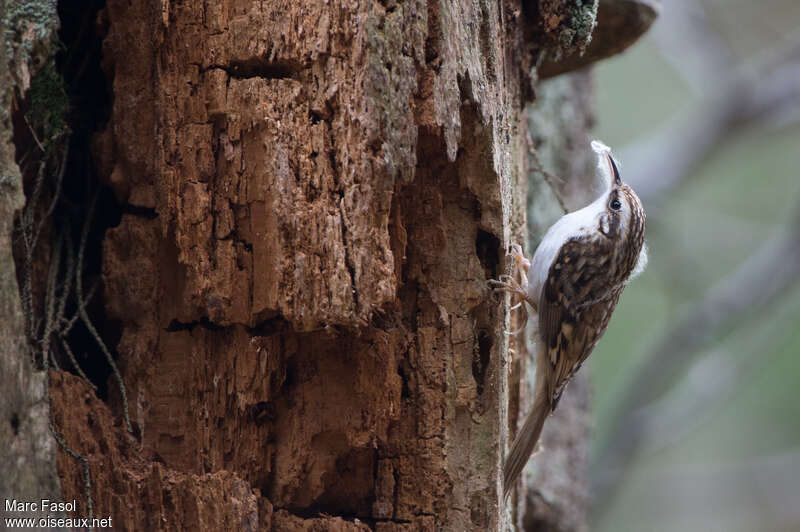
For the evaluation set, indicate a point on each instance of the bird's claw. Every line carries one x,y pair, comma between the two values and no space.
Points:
519,258
508,283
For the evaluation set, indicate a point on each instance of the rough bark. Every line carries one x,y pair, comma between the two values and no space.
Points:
27,451
314,196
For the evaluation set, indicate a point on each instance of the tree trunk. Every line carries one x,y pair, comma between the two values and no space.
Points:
27,451
310,199
313,198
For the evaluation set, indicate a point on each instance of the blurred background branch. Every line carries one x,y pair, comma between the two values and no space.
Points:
729,97
695,382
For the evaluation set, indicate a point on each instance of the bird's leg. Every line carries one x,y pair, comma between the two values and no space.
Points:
508,283
520,261
522,265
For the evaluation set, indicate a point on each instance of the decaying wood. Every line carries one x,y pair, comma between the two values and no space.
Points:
27,451
318,194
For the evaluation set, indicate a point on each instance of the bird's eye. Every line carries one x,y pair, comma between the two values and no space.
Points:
616,205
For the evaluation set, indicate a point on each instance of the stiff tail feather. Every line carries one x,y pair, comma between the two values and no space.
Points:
527,437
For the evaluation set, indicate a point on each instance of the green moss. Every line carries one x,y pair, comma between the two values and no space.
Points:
576,31
582,20
49,103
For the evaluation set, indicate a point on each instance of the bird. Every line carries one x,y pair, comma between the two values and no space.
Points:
574,281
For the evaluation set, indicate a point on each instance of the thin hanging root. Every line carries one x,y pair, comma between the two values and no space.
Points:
68,351
88,323
87,477
519,306
506,283
514,333
524,319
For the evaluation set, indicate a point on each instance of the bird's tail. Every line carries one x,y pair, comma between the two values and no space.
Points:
527,436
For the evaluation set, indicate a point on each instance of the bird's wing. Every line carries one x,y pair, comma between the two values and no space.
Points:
572,315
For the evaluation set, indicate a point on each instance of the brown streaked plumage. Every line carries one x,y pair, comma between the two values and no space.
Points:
574,283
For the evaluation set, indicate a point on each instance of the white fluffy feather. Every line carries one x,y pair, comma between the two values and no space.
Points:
641,262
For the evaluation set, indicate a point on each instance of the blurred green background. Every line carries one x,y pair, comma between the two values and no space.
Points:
721,446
